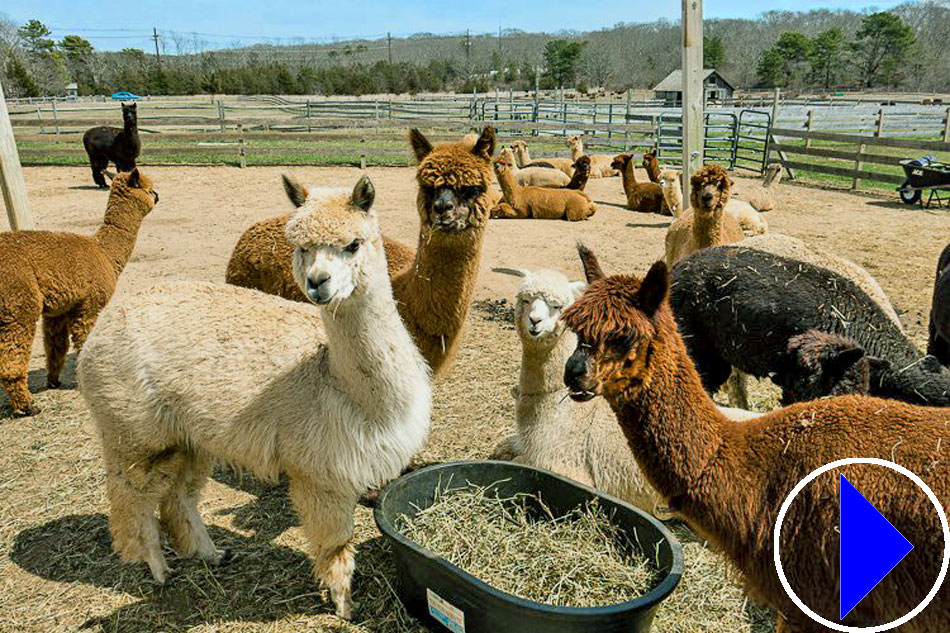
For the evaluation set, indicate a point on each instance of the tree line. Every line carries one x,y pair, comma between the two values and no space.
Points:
904,48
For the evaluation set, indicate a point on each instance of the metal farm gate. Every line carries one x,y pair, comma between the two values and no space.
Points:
729,140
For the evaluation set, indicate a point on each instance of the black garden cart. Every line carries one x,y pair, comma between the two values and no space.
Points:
922,174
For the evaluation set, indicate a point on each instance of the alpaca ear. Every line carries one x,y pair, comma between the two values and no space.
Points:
841,361
485,145
591,266
295,191
654,288
577,288
363,194
134,178
420,144
514,272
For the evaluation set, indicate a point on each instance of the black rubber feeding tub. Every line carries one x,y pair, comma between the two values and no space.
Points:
445,597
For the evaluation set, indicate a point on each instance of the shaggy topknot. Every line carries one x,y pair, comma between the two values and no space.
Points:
327,217
711,174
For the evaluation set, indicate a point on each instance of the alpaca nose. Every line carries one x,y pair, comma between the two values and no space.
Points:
444,202
574,371
707,197
319,280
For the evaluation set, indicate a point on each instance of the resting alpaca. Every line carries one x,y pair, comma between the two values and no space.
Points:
534,176
771,299
581,174
66,279
434,293
523,159
644,197
190,373
938,342
708,222
601,165
728,480
120,145
759,194
540,203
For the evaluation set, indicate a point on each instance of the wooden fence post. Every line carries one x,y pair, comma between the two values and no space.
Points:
693,90
309,128
11,175
811,118
221,115
946,127
363,152
55,114
39,117
858,166
242,154
879,127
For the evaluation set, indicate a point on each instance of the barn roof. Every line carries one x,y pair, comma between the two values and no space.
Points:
674,81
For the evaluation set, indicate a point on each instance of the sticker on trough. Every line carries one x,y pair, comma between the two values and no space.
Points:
448,615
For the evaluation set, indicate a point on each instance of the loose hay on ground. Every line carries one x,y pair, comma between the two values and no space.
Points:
518,545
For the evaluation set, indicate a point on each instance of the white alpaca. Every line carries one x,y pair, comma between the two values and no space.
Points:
523,159
600,164
578,440
338,398
534,176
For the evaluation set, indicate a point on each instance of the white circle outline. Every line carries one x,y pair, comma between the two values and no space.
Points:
848,462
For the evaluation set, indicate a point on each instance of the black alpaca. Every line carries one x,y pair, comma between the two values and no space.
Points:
740,307
119,145
939,341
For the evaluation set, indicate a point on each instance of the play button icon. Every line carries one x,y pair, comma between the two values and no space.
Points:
870,547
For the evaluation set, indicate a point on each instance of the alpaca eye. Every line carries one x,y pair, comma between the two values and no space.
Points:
469,192
353,246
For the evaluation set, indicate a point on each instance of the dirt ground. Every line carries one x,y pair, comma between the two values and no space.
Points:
57,572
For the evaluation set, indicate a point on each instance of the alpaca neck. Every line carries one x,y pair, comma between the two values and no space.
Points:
436,290
522,157
653,170
116,236
707,228
541,389
671,424
510,188
629,179
577,150
371,355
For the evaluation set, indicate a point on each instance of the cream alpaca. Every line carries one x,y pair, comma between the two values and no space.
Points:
338,399
759,193
600,164
523,159
534,176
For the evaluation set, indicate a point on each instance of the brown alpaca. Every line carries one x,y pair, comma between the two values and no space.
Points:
433,286
534,176
644,197
523,159
601,165
652,166
66,279
727,480
706,223
540,203
581,174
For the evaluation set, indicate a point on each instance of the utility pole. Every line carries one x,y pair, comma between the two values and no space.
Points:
693,90
155,37
468,51
389,43
499,38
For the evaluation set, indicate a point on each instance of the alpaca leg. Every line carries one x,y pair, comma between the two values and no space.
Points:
81,320
179,512
98,165
738,389
16,339
56,342
327,520
135,485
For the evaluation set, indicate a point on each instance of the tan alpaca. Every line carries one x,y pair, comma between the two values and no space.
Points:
646,197
66,279
534,176
541,203
523,159
336,398
442,271
759,194
600,164
748,218
706,223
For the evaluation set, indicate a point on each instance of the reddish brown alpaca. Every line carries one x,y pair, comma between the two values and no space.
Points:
646,197
727,480
652,167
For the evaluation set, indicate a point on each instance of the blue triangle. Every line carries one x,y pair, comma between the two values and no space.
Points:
870,547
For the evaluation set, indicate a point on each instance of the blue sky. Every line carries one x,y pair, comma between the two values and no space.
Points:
250,21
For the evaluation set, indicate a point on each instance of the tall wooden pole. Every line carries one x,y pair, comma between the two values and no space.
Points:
11,176
693,91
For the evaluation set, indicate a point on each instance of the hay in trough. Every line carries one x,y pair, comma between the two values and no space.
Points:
517,544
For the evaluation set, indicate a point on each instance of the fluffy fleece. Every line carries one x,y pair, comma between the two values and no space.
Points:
739,307
646,197
190,373
728,480
539,203
523,159
66,279
760,194
601,165
453,210
119,145
938,341
534,176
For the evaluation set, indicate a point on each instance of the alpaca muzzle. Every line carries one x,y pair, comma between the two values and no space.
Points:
576,376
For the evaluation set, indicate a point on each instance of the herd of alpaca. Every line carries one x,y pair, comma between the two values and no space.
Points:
316,359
